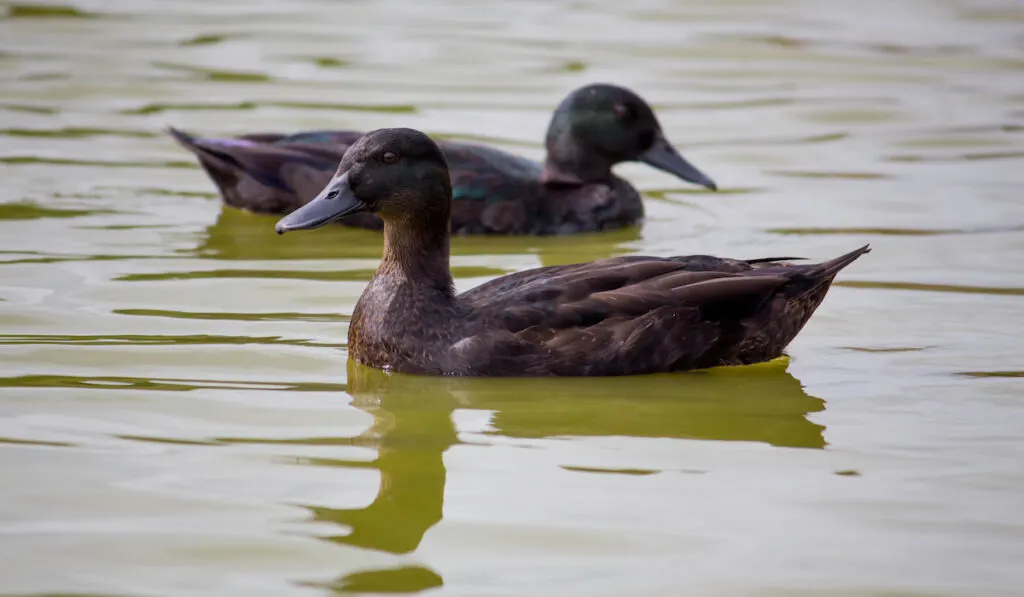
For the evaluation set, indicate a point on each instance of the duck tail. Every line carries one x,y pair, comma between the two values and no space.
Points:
182,137
217,164
827,270
215,157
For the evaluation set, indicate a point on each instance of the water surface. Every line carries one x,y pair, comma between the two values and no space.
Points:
176,412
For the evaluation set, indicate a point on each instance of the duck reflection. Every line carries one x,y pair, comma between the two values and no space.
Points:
413,428
410,433
758,403
241,235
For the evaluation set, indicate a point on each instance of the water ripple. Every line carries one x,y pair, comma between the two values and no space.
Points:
812,230
33,211
1015,291
154,340
308,317
74,133
157,108
50,161
161,384
1005,374
46,11
352,275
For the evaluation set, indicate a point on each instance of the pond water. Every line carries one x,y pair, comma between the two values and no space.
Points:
176,412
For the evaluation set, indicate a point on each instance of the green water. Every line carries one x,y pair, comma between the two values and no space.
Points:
176,412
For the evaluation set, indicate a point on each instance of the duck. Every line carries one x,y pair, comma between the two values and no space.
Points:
574,191
624,315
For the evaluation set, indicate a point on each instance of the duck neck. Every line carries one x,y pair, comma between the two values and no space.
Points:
568,163
419,251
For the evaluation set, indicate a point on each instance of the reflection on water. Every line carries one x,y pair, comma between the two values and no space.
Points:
757,404
410,431
412,428
174,413
239,235
404,579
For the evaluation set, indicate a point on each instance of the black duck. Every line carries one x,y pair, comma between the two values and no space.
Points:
619,316
494,192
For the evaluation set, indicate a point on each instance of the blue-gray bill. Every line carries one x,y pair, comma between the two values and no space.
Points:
663,156
335,201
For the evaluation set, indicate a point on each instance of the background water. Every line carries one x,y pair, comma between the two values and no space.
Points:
175,410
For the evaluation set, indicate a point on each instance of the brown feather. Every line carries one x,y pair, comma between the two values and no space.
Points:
620,316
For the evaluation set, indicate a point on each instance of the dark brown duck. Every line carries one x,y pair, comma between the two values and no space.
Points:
494,192
620,316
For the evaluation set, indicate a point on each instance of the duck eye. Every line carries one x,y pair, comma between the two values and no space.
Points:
624,112
332,194
389,157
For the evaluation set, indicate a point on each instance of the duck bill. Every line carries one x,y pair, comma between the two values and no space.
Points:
663,156
336,201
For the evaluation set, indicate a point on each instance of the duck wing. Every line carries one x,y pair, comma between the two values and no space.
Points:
493,192
634,314
533,284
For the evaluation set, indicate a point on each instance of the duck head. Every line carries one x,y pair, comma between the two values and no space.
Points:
601,125
399,174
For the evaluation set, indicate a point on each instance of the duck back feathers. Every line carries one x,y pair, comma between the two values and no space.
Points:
636,315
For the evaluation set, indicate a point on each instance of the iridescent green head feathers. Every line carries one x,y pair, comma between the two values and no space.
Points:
600,125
